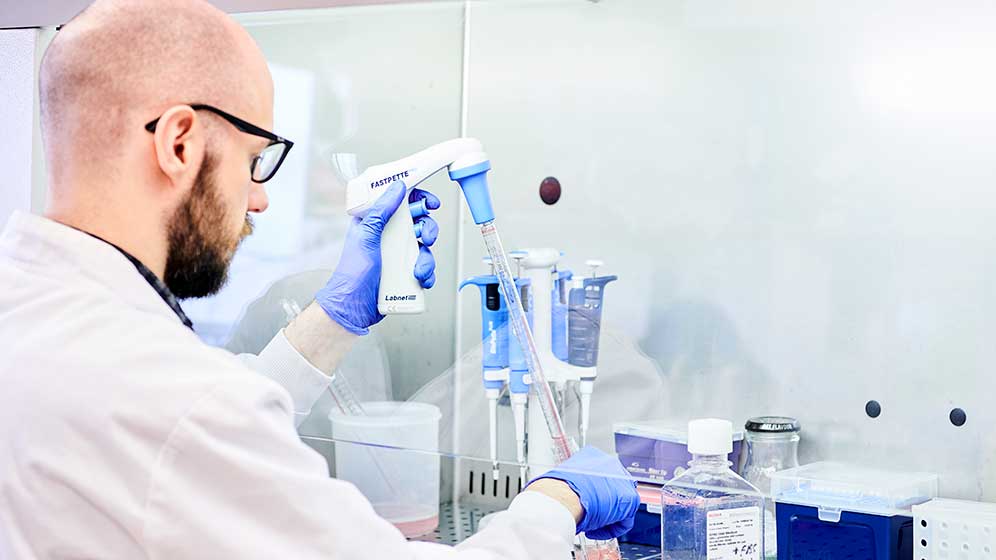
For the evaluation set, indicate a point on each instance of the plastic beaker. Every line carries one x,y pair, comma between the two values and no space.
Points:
402,484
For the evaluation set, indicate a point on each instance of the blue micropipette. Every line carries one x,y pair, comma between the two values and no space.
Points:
558,310
494,357
584,327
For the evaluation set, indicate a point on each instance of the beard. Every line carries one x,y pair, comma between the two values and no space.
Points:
200,249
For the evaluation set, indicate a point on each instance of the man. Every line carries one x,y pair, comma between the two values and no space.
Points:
121,434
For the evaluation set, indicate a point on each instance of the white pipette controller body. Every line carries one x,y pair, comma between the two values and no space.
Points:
400,291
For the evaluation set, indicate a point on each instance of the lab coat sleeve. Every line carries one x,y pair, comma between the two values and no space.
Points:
281,362
535,526
234,481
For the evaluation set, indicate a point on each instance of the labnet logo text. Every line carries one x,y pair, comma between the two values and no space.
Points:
400,298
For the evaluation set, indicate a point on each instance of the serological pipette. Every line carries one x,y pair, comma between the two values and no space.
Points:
519,378
343,396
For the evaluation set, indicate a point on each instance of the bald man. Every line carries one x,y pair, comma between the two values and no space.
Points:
122,435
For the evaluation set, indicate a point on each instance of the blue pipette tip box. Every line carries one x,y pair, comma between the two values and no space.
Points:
837,510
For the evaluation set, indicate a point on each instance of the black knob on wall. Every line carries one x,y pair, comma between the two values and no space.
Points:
958,417
873,409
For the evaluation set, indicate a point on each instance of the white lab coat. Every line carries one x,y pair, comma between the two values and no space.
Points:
122,435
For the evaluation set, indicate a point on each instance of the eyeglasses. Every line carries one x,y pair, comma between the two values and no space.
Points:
266,163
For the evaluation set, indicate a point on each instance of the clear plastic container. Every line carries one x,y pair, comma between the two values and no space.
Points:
402,484
709,512
834,487
772,446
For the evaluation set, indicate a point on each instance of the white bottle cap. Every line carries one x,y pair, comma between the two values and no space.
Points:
710,436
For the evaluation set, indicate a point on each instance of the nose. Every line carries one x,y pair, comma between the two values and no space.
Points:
258,201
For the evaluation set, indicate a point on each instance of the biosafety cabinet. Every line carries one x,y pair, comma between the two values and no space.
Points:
797,200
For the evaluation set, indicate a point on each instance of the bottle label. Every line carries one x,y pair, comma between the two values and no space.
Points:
734,534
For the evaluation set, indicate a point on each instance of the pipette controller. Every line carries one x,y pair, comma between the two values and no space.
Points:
494,353
584,331
400,291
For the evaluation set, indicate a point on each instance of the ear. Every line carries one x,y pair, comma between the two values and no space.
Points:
179,144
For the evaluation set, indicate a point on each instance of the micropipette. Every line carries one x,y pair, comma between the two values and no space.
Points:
584,324
558,312
494,358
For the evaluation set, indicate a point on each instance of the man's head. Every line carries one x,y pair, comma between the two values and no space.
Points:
176,197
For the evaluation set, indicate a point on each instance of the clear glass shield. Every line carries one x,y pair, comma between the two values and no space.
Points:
707,210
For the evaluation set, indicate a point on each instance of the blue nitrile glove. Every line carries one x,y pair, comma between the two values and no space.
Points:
607,492
350,296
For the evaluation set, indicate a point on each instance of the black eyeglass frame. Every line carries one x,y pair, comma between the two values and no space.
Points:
247,128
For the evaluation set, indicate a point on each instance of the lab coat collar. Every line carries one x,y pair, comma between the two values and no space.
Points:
157,284
59,250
